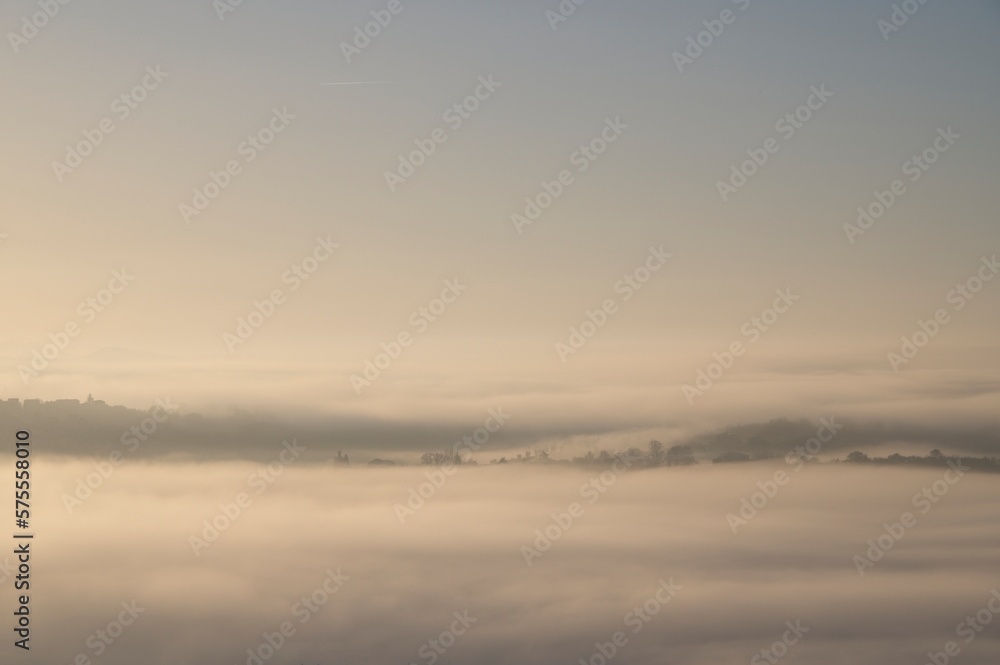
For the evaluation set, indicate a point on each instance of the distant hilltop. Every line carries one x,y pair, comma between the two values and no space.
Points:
92,427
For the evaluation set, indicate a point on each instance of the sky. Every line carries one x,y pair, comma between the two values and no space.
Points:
517,289
381,226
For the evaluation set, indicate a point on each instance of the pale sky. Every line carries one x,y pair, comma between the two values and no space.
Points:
553,90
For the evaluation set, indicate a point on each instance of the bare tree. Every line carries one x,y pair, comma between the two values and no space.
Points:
655,457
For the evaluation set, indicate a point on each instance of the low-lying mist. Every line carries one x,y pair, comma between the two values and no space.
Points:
695,566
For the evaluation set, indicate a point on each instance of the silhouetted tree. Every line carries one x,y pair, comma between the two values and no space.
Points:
655,457
435,459
680,456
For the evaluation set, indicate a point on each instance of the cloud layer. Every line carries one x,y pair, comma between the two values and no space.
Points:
462,551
